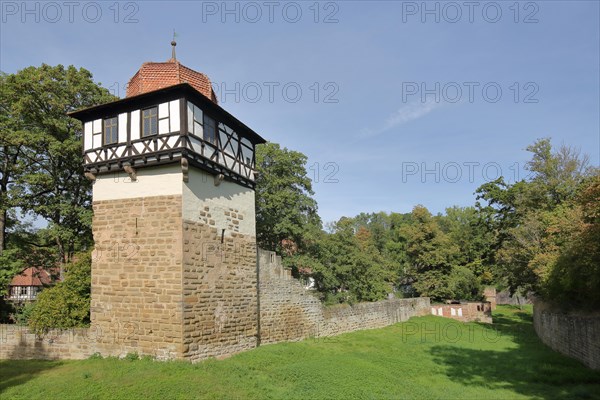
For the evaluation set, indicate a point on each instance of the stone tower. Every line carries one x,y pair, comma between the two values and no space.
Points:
174,270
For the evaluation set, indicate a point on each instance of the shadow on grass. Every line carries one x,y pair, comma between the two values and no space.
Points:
24,362
18,372
530,368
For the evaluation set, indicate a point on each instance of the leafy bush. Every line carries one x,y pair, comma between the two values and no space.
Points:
463,284
23,313
67,304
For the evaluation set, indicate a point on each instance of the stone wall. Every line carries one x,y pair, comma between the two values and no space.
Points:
490,296
465,312
219,291
289,312
576,335
137,276
504,297
17,343
216,310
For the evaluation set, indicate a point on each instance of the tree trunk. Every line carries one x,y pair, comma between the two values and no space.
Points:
2,230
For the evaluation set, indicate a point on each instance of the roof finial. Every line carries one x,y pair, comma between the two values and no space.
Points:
173,43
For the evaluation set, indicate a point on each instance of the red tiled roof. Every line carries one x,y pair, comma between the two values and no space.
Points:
157,75
32,276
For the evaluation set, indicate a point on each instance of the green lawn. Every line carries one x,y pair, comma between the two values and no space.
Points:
427,357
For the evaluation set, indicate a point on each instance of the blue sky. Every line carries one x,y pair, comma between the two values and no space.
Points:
394,103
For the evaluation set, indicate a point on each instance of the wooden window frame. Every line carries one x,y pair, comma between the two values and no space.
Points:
142,120
205,130
115,127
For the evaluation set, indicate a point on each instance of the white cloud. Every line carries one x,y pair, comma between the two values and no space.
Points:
404,114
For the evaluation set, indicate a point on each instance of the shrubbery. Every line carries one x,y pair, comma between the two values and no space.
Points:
67,304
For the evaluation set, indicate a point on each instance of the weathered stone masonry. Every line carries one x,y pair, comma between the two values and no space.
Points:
175,277
137,276
219,292
219,310
290,312
574,335
187,289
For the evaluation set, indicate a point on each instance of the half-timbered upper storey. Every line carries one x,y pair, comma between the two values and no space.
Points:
165,126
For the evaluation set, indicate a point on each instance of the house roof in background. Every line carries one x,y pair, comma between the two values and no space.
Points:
32,276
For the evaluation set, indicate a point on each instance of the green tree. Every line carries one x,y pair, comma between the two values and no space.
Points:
41,150
463,284
285,210
572,267
466,228
521,216
351,267
11,151
430,255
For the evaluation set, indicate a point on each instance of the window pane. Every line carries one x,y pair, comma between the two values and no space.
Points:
197,115
150,122
198,130
190,117
110,130
210,130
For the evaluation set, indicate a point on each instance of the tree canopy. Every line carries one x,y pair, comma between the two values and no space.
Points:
41,148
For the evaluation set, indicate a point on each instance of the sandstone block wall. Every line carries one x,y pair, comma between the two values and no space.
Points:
219,291
17,343
202,302
289,312
137,276
574,335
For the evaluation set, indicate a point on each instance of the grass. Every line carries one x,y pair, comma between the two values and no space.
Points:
427,357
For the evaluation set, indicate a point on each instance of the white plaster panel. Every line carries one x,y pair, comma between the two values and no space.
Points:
174,115
163,126
163,110
172,141
122,151
135,125
97,141
123,128
200,191
139,147
87,136
151,181
97,126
